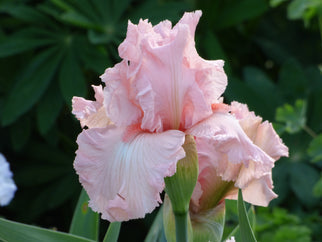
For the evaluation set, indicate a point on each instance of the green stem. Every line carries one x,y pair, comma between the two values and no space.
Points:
181,220
320,26
310,131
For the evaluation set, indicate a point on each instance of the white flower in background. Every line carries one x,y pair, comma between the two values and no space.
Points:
7,185
232,239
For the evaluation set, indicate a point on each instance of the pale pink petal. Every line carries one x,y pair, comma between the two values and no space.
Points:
211,188
228,138
242,132
123,170
166,78
191,19
195,197
210,75
91,113
228,160
262,134
269,141
247,120
258,192
169,94
119,103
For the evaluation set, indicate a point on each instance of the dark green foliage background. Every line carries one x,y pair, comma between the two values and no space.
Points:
52,50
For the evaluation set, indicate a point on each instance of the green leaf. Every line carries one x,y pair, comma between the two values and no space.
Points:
294,233
86,8
24,40
48,109
317,189
303,178
292,80
104,10
259,82
252,221
113,232
281,182
273,49
279,128
93,57
31,85
85,222
315,149
237,90
213,50
235,12
24,13
20,133
52,195
62,4
79,20
156,231
275,3
71,78
297,8
157,11
96,37
246,232
18,232
119,7
292,116
41,173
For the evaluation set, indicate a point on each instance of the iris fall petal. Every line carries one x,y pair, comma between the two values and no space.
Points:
122,173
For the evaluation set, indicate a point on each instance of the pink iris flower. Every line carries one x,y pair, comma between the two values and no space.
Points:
238,152
161,91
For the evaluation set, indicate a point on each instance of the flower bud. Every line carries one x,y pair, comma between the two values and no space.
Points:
180,186
208,225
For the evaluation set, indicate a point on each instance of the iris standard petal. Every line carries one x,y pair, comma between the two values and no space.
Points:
118,102
165,77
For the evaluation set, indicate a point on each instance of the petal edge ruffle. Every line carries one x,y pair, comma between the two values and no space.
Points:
124,178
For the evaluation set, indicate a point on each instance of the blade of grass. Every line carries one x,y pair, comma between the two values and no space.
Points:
85,222
113,232
246,232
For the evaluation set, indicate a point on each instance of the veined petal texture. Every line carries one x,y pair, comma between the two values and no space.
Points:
123,170
162,81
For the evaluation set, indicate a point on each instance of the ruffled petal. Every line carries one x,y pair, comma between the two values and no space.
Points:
228,160
171,84
123,170
228,138
119,98
91,113
270,142
212,188
225,138
258,192
262,134
169,94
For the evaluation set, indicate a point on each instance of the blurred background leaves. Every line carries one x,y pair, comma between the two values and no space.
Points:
51,50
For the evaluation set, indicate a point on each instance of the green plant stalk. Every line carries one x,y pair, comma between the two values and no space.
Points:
320,27
181,220
113,232
179,188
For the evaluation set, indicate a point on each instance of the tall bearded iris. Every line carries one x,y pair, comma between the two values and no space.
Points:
160,91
